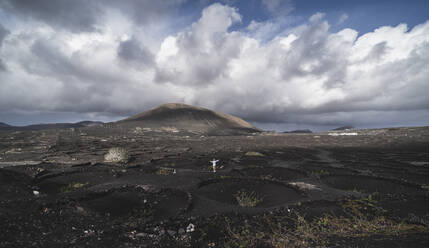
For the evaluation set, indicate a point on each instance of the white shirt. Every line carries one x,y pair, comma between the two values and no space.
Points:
214,162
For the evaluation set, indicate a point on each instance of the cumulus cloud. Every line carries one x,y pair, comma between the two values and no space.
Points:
200,55
59,71
306,75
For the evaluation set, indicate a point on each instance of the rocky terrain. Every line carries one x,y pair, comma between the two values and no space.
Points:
69,188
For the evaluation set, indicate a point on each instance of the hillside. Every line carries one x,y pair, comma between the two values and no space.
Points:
187,117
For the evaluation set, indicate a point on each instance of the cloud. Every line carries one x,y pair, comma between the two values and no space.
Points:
305,75
63,72
145,11
133,53
3,33
87,16
76,16
278,7
202,52
343,18
310,71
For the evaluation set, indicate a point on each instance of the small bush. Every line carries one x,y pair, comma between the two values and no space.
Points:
165,171
258,154
117,154
248,199
73,187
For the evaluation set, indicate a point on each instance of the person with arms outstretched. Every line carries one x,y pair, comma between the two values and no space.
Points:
214,164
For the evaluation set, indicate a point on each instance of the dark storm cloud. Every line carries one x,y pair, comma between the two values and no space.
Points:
48,60
134,53
84,16
81,89
3,33
48,78
145,11
76,15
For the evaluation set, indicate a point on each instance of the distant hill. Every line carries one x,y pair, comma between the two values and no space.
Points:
299,131
167,117
88,123
4,125
35,127
191,118
343,128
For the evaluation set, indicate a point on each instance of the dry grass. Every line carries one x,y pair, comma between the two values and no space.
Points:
295,231
305,234
360,226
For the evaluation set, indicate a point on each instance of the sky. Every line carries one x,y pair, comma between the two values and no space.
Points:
279,64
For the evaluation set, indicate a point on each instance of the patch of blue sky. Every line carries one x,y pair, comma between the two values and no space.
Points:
363,16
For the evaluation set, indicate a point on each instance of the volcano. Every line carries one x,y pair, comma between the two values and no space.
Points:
190,118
